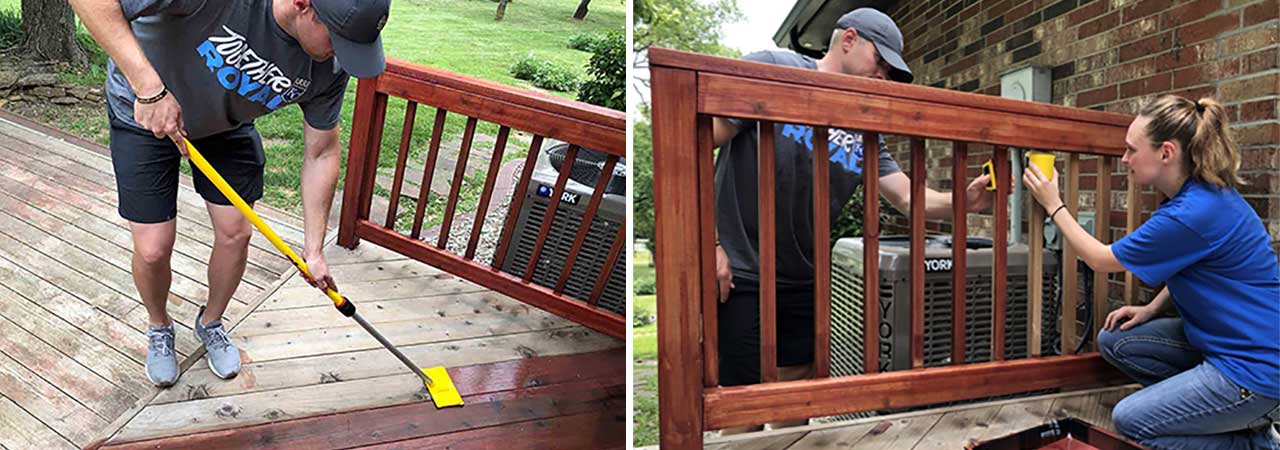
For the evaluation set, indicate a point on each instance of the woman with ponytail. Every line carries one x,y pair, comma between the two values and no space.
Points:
1211,378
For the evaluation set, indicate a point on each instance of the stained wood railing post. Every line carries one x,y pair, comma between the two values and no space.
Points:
406,134
677,221
710,291
917,251
871,251
821,253
1102,231
959,249
1000,250
768,257
1070,269
361,145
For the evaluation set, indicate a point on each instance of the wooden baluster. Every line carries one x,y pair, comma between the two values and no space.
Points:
1035,275
1000,247
1131,223
406,132
1102,231
570,158
959,248
428,172
707,249
917,251
459,171
871,251
619,240
768,257
602,183
517,201
495,165
821,253
1070,273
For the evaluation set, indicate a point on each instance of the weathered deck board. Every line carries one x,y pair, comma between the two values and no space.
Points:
19,430
940,428
193,220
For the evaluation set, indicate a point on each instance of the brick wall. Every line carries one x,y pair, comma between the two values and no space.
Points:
1111,55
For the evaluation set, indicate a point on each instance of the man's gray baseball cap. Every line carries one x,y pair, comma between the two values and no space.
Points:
355,27
881,31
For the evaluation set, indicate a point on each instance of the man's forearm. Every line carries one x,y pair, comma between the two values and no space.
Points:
937,205
106,22
319,177
1161,301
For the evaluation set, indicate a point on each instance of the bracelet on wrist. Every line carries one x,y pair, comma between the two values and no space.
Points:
1055,211
155,98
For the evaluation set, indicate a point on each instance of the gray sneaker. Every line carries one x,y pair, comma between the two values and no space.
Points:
223,356
162,361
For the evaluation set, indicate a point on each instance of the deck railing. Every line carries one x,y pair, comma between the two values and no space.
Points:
690,89
580,125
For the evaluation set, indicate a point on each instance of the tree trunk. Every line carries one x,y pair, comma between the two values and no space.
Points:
50,31
502,9
581,13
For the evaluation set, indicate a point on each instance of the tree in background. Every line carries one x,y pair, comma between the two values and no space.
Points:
50,29
690,25
581,13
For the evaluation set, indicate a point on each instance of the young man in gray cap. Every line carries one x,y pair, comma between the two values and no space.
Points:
204,70
865,43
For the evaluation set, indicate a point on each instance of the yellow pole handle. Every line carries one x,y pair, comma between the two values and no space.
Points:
249,213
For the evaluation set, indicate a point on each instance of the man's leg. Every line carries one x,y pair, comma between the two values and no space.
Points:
152,250
231,233
1149,352
1197,409
739,338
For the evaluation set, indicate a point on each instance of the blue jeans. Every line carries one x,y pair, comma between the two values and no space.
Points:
1185,402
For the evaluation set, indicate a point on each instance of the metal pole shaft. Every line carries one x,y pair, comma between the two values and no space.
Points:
385,343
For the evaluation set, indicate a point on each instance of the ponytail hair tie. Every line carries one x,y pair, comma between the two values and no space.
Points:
1199,107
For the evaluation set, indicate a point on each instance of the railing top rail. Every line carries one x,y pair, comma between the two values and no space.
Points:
549,103
675,59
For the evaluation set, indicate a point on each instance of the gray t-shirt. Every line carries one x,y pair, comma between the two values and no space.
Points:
736,200
227,62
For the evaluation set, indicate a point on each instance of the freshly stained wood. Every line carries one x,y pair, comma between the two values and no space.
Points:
768,247
607,430
473,382
707,267
199,382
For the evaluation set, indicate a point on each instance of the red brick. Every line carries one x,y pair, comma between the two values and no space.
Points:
1018,12
1205,73
1150,85
1260,158
1261,12
962,64
968,12
1260,134
1188,55
1137,69
1096,96
1258,183
1208,28
1250,40
1198,92
1145,8
1098,25
1259,110
1259,86
1261,205
1259,61
1087,12
1146,47
1191,12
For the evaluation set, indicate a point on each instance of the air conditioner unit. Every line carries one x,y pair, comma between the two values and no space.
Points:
847,300
569,216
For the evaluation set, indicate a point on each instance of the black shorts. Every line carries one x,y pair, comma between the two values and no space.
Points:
739,327
147,169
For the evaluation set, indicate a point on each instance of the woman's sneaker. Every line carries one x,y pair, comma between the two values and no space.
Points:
223,356
162,361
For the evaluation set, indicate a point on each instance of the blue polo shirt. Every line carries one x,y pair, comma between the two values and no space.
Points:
1212,250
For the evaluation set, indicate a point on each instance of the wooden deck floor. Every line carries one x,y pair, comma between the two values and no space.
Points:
72,344
942,428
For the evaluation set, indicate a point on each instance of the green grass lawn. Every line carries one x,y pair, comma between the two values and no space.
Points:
644,352
455,35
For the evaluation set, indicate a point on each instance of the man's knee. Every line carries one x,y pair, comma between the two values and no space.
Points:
233,236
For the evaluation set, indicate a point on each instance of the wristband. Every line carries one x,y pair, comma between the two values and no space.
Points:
1055,212
149,100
